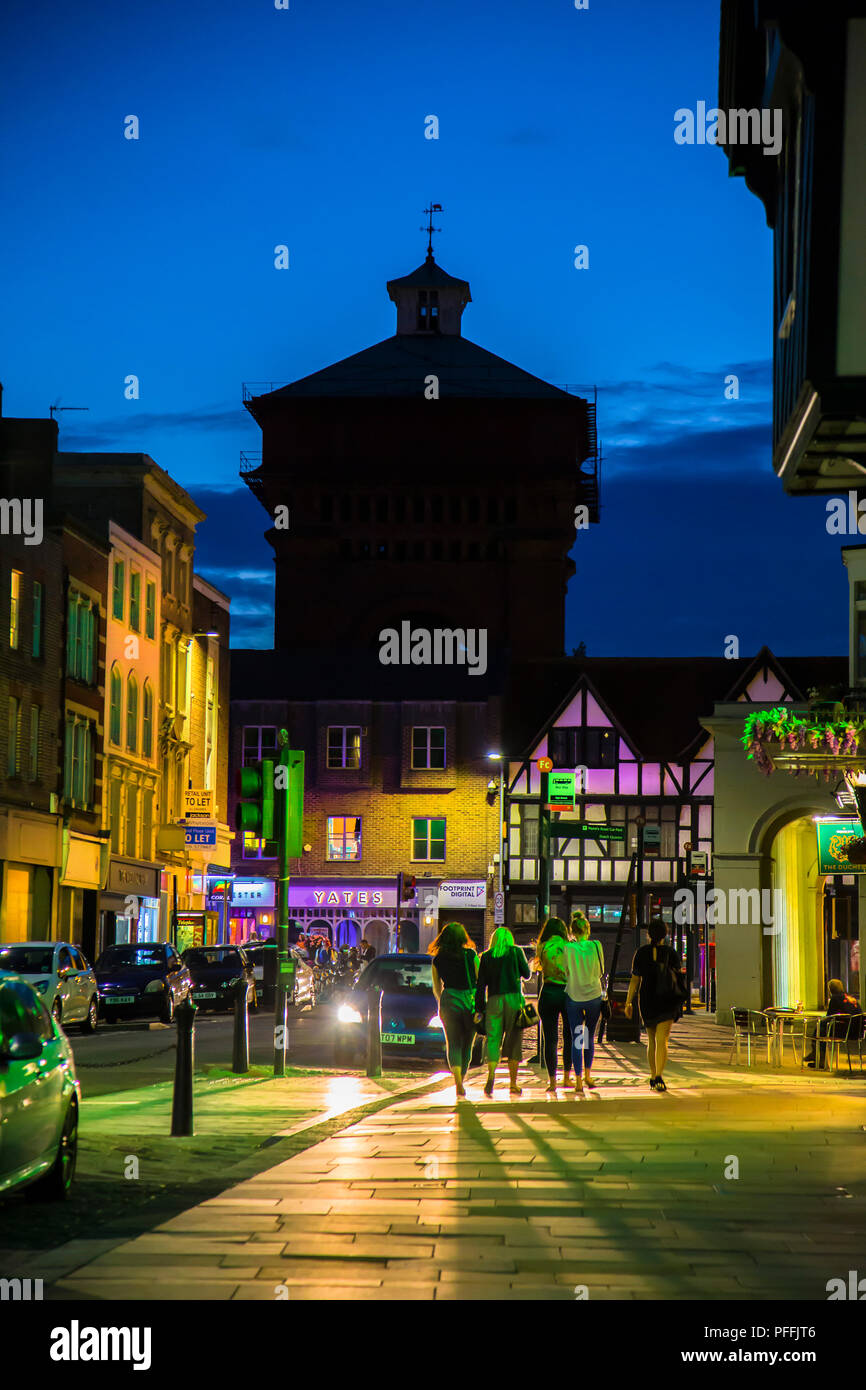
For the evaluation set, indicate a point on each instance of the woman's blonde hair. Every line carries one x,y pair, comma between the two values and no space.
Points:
501,942
579,925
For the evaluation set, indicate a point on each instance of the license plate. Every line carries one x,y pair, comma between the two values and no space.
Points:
398,1037
119,999
200,994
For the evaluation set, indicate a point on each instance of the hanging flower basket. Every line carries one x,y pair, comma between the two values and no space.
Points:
780,738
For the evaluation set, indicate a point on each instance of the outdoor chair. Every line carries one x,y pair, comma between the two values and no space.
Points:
750,1026
844,1030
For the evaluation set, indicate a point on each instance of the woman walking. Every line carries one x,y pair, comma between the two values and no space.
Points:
455,973
655,972
584,965
552,1000
501,968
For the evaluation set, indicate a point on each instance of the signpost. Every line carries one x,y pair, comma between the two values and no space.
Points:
499,909
586,830
198,804
834,836
198,834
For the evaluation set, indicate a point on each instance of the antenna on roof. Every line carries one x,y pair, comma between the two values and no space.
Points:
430,229
53,409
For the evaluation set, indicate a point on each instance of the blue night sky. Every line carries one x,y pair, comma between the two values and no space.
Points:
306,127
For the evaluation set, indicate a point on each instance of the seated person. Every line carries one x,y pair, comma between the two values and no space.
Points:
838,1003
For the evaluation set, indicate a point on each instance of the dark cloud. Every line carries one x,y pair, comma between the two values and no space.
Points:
137,422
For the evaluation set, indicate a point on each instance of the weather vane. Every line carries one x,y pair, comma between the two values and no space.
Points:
430,229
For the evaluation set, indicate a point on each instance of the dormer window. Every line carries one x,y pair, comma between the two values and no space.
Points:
428,311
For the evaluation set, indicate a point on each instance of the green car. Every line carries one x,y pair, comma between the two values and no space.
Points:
39,1095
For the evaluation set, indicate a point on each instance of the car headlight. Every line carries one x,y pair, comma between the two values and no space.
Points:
235,981
154,987
346,1014
435,1022
41,985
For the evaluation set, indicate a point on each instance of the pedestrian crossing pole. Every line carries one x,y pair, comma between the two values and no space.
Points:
289,817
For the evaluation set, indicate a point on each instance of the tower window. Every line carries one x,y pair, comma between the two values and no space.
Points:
474,509
381,509
437,508
428,311
363,509
418,509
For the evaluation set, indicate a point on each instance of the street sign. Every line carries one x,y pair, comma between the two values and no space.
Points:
499,909
200,835
560,789
544,764
198,804
586,830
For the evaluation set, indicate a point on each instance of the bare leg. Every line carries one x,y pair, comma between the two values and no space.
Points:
458,1080
491,1072
651,1049
513,1064
662,1032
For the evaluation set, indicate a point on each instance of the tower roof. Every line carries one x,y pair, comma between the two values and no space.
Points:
430,276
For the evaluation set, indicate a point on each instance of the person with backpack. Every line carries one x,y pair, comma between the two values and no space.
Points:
656,972
455,974
584,967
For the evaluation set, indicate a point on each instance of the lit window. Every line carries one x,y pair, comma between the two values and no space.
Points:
78,768
150,609
344,746
147,720
428,839
428,747
344,837
14,610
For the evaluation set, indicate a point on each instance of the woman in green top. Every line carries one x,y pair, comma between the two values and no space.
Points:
550,961
501,968
455,971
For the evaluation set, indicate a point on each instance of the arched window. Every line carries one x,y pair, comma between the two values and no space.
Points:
114,688
147,720
131,713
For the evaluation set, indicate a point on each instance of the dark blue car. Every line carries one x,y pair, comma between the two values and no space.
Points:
147,980
410,1020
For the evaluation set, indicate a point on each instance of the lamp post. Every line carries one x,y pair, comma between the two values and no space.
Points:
500,758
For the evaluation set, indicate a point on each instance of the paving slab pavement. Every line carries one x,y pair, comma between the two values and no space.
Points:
735,1184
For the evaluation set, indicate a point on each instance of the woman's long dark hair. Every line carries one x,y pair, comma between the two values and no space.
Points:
452,939
554,926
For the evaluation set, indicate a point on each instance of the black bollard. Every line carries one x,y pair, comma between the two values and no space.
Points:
241,1039
374,1033
181,1105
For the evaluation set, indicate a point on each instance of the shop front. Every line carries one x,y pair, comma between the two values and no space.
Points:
458,900
30,856
85,865
129,902
345,910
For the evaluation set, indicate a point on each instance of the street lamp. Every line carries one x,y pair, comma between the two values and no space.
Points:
498,757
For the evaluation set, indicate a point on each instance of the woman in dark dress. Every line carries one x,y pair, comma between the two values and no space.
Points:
455,974
654,971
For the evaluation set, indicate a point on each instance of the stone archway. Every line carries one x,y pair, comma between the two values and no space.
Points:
348,933
378,933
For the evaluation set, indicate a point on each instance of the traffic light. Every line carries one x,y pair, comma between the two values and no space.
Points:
254,812
408,892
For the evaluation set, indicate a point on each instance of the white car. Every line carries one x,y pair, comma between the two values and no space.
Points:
60,975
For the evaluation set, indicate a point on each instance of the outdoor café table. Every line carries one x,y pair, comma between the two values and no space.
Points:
777,1016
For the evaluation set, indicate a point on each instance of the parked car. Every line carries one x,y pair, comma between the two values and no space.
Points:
147,980
62,977
305,977
39,1094
215,971
410,1019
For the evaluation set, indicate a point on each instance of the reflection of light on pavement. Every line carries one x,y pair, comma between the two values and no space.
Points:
344,1090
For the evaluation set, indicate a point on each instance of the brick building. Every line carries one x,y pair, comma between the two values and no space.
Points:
31,667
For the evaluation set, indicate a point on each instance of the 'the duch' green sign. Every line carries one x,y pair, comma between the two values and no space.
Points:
833,839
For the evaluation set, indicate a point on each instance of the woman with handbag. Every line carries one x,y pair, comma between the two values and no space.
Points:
584,965
455,974
552,999
499,1004
657,972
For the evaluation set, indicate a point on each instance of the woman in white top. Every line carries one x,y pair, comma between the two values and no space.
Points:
584,966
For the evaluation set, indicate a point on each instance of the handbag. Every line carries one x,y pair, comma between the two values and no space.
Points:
669,982
526,1017
605,1001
